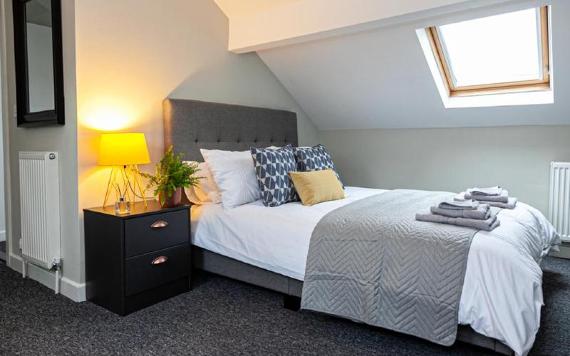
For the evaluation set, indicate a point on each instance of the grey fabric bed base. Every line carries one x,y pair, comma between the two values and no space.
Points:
224,266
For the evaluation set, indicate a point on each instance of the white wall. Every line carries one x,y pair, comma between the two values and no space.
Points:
517,158
56,138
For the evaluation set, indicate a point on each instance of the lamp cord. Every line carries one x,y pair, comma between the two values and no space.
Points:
128,181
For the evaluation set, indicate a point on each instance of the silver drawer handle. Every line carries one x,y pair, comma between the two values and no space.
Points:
159,260
159,224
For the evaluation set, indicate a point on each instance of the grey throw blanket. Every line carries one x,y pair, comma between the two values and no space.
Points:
371,261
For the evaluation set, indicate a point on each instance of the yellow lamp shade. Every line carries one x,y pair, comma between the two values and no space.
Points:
123,149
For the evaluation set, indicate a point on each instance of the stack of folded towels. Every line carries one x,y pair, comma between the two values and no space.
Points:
494,196
468,213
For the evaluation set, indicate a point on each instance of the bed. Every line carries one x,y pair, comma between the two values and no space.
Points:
272,252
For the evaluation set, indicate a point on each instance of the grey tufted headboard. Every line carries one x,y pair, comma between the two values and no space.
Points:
190,125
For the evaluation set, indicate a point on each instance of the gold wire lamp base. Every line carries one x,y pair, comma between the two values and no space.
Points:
125,182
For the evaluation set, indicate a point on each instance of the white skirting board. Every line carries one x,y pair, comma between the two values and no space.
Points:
71,289
2,235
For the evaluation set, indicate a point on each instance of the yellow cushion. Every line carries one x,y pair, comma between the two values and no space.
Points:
317,186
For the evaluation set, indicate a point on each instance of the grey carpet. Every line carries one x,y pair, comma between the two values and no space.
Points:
221,317
3,250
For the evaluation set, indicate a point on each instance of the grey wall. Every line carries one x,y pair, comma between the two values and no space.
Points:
183,54
61,138
130,64
453,159
374,99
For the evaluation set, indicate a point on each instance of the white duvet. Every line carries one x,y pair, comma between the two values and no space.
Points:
502,292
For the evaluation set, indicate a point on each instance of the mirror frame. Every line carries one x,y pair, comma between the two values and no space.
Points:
24,116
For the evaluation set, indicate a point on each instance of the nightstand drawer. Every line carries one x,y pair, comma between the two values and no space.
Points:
156,268
156,232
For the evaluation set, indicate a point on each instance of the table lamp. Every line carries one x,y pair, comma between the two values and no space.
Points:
124,152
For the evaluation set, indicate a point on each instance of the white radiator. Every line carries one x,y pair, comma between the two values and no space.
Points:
39,208
559,209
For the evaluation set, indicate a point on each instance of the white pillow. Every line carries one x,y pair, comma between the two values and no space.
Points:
206,191
234,174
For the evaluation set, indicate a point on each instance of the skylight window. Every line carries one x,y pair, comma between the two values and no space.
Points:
498,54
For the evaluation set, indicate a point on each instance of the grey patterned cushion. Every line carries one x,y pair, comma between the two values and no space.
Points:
314,158
272,167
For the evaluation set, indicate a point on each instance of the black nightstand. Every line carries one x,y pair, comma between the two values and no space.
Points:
135,260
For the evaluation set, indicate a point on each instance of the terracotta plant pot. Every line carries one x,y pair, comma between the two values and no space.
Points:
174,200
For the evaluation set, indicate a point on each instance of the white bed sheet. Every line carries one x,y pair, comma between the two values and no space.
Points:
502,292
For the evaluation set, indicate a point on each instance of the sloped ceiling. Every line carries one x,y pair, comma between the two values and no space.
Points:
380,79
377,76
233,8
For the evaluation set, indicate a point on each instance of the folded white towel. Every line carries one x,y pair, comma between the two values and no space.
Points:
496,190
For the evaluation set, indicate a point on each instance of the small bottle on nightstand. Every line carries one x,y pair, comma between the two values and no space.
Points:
122,207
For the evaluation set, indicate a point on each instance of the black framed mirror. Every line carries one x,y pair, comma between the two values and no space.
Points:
39,62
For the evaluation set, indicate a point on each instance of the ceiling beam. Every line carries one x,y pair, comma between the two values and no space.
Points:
307,20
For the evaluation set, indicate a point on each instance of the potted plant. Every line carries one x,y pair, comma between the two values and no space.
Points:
171,175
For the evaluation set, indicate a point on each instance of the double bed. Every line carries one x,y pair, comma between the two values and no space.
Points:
501,299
